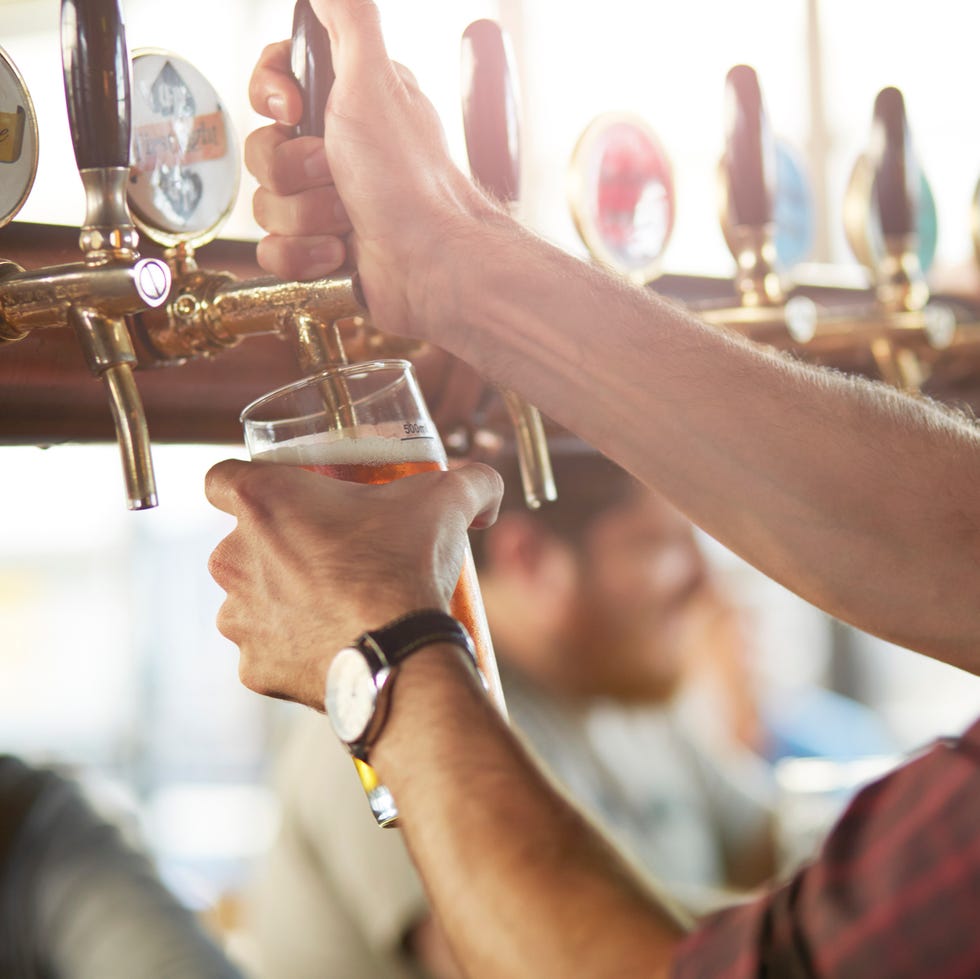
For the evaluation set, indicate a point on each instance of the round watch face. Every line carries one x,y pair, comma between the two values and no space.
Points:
351,694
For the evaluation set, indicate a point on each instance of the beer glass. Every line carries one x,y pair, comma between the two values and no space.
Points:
366,423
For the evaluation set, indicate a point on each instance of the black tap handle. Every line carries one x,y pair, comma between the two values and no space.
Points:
97,85
312,67
491,110
896,193
750,158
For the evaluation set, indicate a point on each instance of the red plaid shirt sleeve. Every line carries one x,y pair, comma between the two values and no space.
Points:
894,892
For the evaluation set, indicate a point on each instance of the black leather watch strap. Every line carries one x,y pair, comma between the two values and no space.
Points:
392,644
397,640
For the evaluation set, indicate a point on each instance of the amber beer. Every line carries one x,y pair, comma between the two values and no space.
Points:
385,453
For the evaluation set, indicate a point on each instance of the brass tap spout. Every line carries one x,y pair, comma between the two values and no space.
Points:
537,479
316,345
109,353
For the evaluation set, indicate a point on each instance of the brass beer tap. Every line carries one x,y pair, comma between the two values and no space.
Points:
747,200
879,214
95,296
747,185
881,209
212,311
180,196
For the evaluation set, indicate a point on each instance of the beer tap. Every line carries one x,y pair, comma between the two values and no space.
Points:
184,185
881,209
94,297
747,185
747,202
492,129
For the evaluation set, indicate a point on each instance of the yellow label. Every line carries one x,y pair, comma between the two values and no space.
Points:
12,135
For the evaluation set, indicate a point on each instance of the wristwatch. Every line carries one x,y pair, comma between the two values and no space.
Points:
359,681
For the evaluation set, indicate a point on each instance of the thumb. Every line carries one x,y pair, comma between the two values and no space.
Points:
356,40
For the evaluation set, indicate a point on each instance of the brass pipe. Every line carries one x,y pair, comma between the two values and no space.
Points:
108,234
210,311
899,281
756,279
42,298
898,366
241,308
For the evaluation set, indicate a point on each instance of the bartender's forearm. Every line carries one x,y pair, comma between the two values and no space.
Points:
820,480
501,853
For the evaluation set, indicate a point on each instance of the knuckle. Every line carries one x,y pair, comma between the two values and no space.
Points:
261,206
495,482
279,173
216,563
270,53
256,155
270,255
226,623
222,564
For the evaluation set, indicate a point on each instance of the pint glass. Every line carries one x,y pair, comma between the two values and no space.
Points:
366,423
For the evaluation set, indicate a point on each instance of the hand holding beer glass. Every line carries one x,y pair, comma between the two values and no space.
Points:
366,423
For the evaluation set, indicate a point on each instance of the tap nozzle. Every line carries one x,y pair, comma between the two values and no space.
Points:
110,356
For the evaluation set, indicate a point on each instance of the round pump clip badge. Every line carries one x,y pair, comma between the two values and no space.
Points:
621,194
18,140
185,165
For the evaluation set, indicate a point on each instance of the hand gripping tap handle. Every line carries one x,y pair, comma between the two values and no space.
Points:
492,128
97,88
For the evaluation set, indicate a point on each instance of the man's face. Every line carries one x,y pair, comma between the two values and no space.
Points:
641,584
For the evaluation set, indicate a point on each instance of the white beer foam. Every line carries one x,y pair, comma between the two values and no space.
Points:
367,450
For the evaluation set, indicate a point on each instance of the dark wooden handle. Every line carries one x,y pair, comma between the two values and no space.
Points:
490,110
897,176
749,150
312,66
97,86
